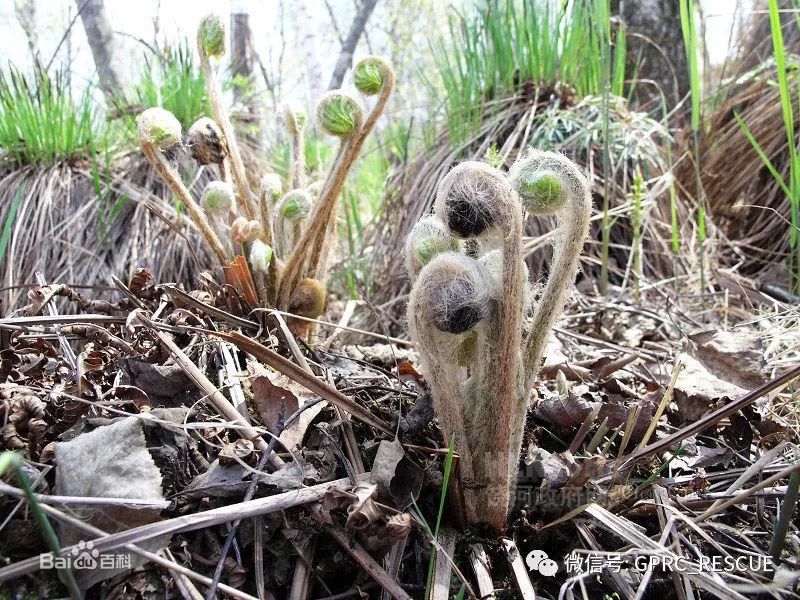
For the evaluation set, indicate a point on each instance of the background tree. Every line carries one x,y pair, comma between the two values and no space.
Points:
345,60
655,42
243,59
100,36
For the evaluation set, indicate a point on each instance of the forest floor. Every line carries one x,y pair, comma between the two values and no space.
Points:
183,442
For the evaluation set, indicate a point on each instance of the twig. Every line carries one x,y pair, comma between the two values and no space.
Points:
362,557
155,558
193,522
480,565
297,374
443,568
714,510
712,418
521,578
216,398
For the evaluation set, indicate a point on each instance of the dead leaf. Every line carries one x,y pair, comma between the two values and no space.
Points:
733,356
219,481
389,454
363,512
694,457
240,449
157,380
399,526
277,397
553,469
627,328
395,474
697,391
567,410
109,462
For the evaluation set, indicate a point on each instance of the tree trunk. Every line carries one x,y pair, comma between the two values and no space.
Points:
345,60
26,15
307,44
248,110
101,41
660,22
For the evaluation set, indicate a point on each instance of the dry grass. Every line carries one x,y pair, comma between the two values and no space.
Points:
74,227
745,203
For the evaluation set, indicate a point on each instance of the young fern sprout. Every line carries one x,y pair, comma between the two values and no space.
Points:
244,230
466,314
428,238
572,208
448,299
211,45
475,200
218,202
290,213
269,191
260,257
291,269
160,132
218,199
207,144
315,189
307,301
339,115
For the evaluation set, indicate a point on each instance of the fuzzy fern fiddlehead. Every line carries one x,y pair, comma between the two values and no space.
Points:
467,314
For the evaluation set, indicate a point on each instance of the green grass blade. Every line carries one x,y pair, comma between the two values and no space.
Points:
8,226
11,460
448,468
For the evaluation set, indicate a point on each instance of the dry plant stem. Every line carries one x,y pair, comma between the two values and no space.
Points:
296,373
88,500
193,522
443,568
302,575
219,401
243,193
480,566
362,557
237,273
331,190
739,498
711,418
170,565
171,177
523,581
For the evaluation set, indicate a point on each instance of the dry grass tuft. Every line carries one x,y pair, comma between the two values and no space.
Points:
78,227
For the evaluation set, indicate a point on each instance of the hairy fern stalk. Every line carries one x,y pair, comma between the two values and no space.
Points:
470,313
272,243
